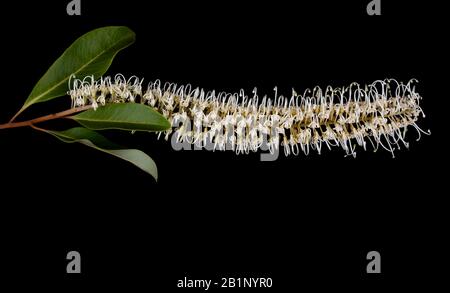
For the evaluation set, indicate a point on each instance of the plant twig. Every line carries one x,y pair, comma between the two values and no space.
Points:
58,115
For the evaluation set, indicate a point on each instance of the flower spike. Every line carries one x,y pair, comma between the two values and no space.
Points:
343,116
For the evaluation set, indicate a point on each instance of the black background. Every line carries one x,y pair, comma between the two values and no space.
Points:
304,221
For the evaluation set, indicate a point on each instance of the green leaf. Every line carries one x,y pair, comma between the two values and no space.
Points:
125,116
91,54
99,142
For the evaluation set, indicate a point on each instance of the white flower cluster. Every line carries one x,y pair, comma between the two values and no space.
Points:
379,113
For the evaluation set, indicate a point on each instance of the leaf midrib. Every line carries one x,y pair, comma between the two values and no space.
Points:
113,122
66,78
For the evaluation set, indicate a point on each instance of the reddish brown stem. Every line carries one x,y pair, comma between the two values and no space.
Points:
58,115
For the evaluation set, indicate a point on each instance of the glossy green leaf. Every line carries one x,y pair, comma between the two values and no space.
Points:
99,142
91,54
125,116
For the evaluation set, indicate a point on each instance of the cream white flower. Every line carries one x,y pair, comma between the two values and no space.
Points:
348,117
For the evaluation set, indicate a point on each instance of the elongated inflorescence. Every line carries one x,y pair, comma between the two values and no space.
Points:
379,113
